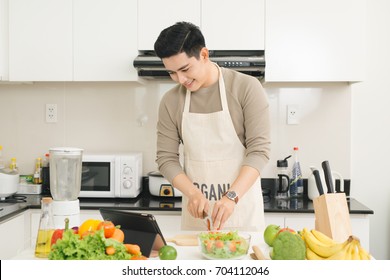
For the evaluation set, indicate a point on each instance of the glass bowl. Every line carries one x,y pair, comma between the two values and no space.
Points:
224,245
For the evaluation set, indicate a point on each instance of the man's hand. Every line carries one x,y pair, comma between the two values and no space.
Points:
223,209
197,205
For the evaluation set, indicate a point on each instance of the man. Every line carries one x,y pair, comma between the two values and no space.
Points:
222,119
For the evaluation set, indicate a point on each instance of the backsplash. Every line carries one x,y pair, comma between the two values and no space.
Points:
114,117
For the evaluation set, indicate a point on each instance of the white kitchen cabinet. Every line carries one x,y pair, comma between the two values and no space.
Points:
156,15
40,40
83,40
104,40
14,236
314,41
4,40
233,25
225,24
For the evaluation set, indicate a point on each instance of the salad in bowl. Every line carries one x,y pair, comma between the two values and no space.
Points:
224,245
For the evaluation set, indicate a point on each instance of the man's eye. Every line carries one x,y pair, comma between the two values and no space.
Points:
185,70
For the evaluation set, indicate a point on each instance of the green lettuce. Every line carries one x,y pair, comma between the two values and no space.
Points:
90,247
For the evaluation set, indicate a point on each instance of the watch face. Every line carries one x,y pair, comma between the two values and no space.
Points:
231,195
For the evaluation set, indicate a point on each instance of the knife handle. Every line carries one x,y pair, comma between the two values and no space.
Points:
316,174
328,176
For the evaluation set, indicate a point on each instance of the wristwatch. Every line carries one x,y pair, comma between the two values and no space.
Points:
232,196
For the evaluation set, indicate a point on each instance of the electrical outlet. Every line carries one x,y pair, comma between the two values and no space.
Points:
51,113
292,114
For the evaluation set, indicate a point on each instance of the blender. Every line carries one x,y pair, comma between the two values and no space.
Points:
65,185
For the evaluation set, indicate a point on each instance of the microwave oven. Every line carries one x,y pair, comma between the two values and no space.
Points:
111,175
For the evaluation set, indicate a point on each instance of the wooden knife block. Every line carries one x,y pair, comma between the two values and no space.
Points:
332,216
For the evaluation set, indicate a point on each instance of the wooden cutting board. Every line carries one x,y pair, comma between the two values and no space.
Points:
184,239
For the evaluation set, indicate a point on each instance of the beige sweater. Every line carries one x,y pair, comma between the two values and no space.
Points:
249,110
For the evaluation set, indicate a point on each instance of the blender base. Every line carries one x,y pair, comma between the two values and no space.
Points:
66,209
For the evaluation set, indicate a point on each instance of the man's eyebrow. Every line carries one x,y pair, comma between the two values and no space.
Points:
181,68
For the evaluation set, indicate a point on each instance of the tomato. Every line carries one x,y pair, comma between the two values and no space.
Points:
209,245
219,244
232,246
88,225
167,252
108,227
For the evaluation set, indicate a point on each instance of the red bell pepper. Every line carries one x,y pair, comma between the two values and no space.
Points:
57,234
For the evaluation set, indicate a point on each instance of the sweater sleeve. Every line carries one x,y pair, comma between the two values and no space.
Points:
168,138
256,125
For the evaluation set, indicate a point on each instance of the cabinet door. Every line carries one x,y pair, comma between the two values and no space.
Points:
314,40
3,40
14,236
233,25
104,40
40,40
156,15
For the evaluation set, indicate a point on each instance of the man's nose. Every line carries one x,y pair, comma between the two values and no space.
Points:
181,78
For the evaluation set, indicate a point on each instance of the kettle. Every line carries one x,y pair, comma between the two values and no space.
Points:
312,191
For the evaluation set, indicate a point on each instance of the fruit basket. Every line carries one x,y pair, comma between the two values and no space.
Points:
224,245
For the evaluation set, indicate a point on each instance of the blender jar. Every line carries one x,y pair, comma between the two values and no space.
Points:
65,173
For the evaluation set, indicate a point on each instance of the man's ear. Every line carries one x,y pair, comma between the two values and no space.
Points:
204,53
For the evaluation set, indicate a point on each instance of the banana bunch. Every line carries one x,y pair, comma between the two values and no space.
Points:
321,247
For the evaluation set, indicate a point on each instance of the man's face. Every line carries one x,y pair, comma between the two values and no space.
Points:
188,71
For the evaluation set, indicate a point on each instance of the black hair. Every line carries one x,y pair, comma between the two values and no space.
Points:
180,37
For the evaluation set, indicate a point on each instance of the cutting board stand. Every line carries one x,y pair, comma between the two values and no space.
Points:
332,216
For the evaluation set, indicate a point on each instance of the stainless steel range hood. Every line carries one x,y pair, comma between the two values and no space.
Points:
149,66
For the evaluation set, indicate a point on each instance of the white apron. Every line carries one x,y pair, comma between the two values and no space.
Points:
213,155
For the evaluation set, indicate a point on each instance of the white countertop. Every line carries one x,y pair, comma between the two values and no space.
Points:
183,252
170,226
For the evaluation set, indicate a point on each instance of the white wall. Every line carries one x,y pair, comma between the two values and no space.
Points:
105,117
371,129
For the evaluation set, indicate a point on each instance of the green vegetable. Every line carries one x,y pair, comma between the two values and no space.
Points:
91,247
222,245
288,246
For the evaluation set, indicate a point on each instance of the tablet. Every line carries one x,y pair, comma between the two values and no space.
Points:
139,228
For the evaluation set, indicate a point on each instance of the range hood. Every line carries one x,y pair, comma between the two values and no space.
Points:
149,66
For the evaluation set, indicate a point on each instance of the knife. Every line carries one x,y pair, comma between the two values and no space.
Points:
316,174
328,176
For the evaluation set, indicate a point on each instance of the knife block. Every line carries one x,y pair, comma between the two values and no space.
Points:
332,216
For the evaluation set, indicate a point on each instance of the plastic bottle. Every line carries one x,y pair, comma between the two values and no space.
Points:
13,165
296,184
46,229
2,164
38,171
